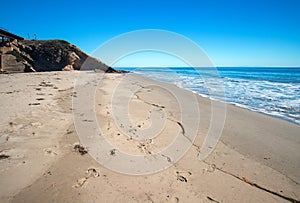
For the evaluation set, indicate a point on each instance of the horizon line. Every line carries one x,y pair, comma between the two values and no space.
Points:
207,67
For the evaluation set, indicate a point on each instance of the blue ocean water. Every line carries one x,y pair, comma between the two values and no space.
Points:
273,91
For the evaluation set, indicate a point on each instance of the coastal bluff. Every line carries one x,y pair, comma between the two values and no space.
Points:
46,55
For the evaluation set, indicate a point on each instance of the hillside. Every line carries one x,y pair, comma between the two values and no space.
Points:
46,55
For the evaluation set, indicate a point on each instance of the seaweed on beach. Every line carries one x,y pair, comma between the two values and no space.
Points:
4,156
80,149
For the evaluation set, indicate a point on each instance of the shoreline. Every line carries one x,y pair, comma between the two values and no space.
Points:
244,106
256,155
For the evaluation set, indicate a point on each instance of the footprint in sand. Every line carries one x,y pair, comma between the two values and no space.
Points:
90,173
36,124
145,146
46,84
49,151
182,176
175,200
211,168
172,199
80,182
4,138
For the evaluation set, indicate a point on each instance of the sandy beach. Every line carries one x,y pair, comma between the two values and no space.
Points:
256,159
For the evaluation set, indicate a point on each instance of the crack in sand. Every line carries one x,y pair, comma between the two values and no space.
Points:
211,199
151,104
245,180
180,125
183,133
285,175
162,107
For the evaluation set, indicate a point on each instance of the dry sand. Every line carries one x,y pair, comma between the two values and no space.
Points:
257,158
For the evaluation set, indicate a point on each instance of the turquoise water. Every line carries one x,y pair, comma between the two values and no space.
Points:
273,91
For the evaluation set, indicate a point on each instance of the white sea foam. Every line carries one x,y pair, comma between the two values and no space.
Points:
273,93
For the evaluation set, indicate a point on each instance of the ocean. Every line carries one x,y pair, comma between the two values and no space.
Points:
272,91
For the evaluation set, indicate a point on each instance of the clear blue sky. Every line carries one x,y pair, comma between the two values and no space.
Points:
232,32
